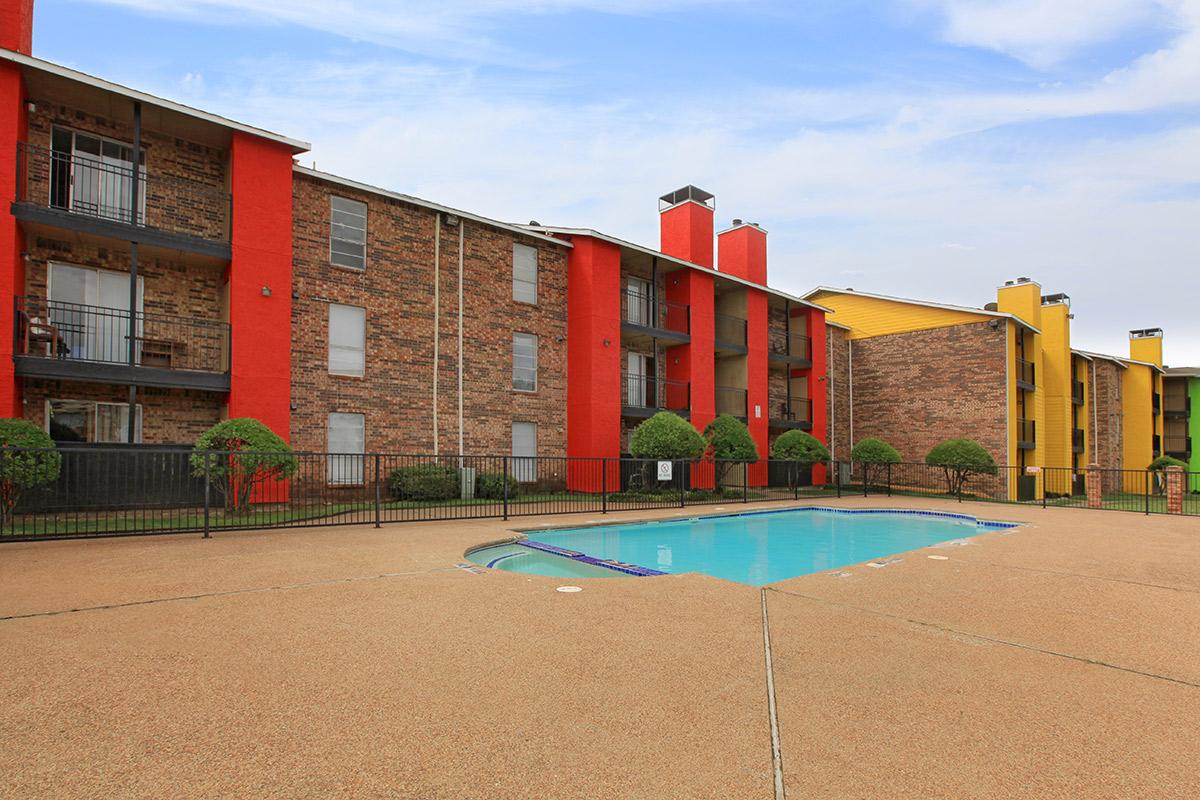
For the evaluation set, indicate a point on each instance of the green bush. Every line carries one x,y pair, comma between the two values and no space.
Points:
666,436
490,486
874,454
799,446
24,470
425,482
1161,463
729,441
251,455
959,459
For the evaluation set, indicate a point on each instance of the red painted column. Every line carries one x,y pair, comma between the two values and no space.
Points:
16,25
260,282
12,239
757,403
594,362
818,383
693,362
686,231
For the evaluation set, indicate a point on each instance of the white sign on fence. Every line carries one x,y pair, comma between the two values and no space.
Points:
665,470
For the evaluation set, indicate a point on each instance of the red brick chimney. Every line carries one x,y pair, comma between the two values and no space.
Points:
742,252
16,25
686,225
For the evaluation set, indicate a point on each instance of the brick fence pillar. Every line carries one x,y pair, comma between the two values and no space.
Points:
1095,486
1174,490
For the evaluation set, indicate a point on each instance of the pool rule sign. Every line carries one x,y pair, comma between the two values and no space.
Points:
665,470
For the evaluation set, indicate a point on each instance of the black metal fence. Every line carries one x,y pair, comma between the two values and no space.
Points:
123,490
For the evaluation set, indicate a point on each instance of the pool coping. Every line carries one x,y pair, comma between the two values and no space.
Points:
635,570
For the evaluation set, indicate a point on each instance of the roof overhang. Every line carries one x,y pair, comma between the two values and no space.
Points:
983,312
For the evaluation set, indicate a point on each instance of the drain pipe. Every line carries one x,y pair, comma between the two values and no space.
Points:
1095,420
830,394
461,355
437,266
850,387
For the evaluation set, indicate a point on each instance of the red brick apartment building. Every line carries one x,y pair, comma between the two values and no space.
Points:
227,280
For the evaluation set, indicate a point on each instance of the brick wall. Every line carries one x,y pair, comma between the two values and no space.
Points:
1109,417
837,409
397,289
917,389
169,416
186,185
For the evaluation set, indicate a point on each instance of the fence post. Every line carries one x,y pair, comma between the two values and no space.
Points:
837,477
604,485
505,487
866,468
378,494
207,491
795,478
1149,476
1175,488
958,489
1043,487
889,479
746,482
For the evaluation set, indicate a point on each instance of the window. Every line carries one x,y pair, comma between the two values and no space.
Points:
637,301
94,176
347,233
525,362
347,340
524,450
347,443
86,421
525,273
91,334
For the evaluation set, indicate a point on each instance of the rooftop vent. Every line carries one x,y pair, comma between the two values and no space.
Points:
689,192
991,307
1146,333
1048,299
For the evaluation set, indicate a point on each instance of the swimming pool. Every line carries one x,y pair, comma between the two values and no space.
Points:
755,548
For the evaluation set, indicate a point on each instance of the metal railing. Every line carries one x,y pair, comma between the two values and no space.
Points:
797,409
639,308
1025,372
78,332
1026,431
1077,440
100,188
1179,405
1077,393
1156,403
794,345
1177,445
731,400
652,392
90,490
730,330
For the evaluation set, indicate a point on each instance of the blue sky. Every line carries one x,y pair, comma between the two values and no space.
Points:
925,148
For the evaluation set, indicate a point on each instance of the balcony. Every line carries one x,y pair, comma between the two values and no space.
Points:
793,413
1026,434
1178,406
792,349
1077,440
92,195
730,334
731,400
71,341
1156,403
1077,393
646,395
1156,444
1025,375
642,313
1178,446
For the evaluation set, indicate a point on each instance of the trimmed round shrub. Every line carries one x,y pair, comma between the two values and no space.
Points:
253,455
425,482
799,446
1162,462
875,451
666,436
21,469
729,439
490,486
959,458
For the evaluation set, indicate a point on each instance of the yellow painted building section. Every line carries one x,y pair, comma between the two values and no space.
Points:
1024,301
1055,385
875,316
1140,384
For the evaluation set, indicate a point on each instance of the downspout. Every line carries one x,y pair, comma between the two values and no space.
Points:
461,225
850,388
830,394
1095,420
437,264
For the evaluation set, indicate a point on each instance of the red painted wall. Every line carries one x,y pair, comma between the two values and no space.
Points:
757,403
742,252
261,181
686,231
16,25
12,240
594,360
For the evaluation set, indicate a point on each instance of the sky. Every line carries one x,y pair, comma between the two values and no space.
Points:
922,148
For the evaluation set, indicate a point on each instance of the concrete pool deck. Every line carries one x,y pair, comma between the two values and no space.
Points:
1058,659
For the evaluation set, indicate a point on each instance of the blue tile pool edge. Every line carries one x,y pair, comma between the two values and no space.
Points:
642,572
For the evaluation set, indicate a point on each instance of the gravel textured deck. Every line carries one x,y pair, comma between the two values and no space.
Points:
1059,660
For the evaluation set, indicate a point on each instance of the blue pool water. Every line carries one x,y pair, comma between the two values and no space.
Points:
755,548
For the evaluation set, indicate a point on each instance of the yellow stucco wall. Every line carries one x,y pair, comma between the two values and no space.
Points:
1056,385
873,316
1024,301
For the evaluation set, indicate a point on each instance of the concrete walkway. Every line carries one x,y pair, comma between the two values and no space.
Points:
1061,659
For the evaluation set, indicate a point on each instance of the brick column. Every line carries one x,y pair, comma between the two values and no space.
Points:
1095,486
1174,490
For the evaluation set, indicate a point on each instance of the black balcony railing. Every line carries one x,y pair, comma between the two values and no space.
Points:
731,400
730,330
77,332
1177,405
100,188
1025,372
639,308
1156,444
792,345
1178,446
1077,393
1026,433
651,392
797,409
1077,440
1156,403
